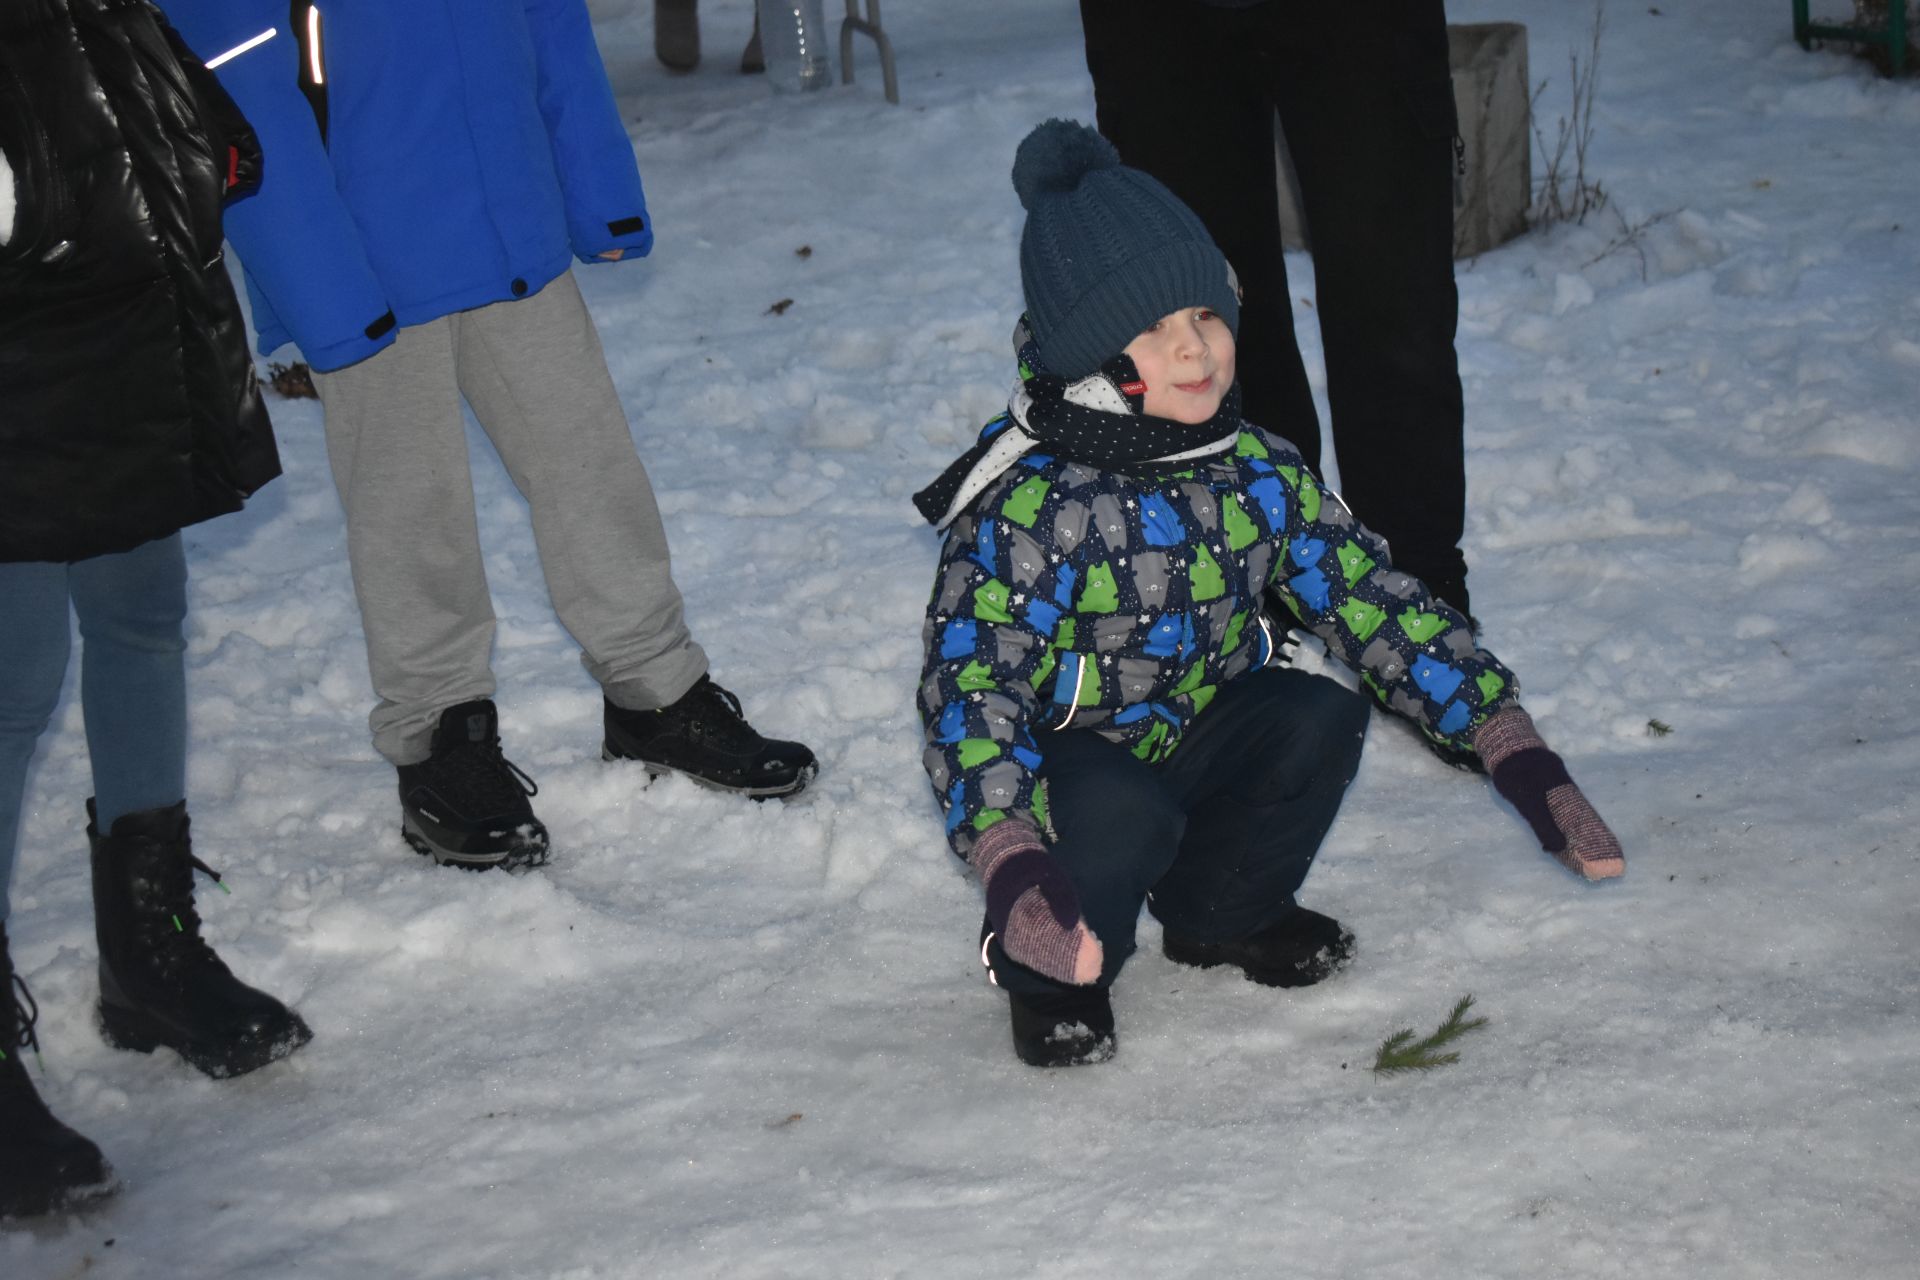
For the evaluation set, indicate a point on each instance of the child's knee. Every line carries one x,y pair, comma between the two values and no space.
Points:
1125,825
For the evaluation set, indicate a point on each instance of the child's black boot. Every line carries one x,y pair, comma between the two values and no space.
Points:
1066,1027
1301,948
45,1167
160,983
1071,1029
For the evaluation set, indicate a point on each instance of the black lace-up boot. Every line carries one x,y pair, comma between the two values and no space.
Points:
705,736
466,804
45,1167
160,983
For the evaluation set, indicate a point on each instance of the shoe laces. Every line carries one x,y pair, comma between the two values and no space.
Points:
714,713
170,919
480,775
26,1012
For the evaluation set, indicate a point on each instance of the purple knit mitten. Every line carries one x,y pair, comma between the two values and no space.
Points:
1535,781
1032,906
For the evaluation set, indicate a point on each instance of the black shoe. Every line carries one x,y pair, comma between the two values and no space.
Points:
1300,949
465,805
160,983
45,1167
704,736
1071,1029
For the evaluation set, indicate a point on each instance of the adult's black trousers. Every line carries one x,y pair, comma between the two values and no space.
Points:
1190,92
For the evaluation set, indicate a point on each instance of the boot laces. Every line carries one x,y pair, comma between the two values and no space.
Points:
479,774
718,717
173,927
26,1012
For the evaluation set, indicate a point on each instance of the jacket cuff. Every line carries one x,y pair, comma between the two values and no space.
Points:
338,355
632,233
999,842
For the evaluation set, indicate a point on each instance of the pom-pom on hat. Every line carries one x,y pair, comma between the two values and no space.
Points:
1107,250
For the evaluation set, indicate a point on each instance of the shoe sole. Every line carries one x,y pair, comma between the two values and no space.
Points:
132,1030
510,859
784,791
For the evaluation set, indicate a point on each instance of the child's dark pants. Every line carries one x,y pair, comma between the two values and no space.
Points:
1216,839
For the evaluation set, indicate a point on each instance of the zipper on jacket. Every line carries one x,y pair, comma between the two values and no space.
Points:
304,17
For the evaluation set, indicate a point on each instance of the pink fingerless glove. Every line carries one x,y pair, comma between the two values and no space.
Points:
1032,906
1535,781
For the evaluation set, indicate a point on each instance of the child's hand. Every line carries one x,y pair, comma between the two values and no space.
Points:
1535,781
1032,906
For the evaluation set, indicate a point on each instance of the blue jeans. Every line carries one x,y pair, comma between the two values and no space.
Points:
1217,839
132,607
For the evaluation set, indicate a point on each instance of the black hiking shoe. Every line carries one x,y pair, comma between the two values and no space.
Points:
1300,949
45,1167
466,804
704,736
161,985
1071,1029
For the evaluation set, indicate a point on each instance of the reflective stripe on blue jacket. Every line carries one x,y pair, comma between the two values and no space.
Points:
421,157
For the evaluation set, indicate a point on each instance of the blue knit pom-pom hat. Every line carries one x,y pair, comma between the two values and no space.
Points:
1107,250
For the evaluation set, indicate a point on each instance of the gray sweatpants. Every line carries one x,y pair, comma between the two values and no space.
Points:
536,377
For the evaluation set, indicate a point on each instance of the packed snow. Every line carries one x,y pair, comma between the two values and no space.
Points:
718,1038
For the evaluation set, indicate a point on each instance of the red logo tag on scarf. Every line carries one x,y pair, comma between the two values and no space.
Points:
1133,388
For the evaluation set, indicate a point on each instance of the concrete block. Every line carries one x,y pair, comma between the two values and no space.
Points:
1491,96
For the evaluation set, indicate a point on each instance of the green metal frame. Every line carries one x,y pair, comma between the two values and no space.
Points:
1893,35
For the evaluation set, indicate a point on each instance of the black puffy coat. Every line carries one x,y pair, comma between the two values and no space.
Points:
128,403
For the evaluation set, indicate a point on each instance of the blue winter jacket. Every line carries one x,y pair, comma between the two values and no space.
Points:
422,157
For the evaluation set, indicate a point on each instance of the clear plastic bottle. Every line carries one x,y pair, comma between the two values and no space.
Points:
793,38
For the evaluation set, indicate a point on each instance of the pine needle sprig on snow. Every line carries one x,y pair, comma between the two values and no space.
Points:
1401,1052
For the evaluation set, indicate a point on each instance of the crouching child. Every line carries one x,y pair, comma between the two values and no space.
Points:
1106,725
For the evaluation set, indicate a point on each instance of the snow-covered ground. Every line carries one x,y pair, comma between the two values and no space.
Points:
716,1038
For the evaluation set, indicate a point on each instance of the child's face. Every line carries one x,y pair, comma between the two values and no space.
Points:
1186,360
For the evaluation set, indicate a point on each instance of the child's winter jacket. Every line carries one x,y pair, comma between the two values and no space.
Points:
1072,596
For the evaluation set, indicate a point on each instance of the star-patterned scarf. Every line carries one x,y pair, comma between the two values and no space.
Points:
1098,419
